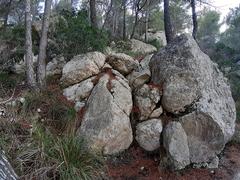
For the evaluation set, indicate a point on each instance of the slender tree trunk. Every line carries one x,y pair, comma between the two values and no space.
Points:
194,19
28,46
41,71
167,22
107,14
124,19
135,24
93,13
146,22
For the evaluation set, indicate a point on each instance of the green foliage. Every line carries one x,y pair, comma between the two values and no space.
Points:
156,21
156,43
75,35
179,16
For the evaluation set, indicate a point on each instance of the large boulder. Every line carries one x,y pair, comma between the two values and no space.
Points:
176,144
194,88
140,47
148,134
122,63
82,67
106,124
6,170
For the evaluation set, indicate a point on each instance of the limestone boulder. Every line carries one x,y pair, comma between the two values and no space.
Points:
55,66
195,90
82,67
148,134
122,63
146,99
106,124
79,91
139,78
140,47
175,142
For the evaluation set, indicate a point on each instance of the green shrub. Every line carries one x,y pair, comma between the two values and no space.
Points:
156,43
74,35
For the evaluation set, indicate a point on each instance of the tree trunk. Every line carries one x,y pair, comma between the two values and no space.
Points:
41,70
194,19
167,22
124,19
93,13
28,46
6,170
135,24
146,22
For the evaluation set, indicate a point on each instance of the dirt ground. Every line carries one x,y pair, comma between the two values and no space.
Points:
136,164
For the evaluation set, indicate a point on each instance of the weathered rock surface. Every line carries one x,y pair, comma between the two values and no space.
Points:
176,144
145,62
205,136
122,63
148,134
82,67
141,47
146,99
194,88
106,124
79,91
55,66
139,78
6,170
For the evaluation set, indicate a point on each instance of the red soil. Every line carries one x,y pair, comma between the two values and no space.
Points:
135,164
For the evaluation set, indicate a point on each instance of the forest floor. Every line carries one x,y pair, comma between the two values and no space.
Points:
136,164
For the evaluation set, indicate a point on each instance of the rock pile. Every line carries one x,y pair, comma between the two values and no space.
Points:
179,83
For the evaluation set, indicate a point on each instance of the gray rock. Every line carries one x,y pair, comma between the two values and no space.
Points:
148,134
122,63
146,99
176,144
205,136
157,113
106,125
145,62
6,170
79,91
82,67
199,90
139,78
55,66
141,47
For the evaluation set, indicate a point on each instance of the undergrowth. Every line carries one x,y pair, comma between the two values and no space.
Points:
41,142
